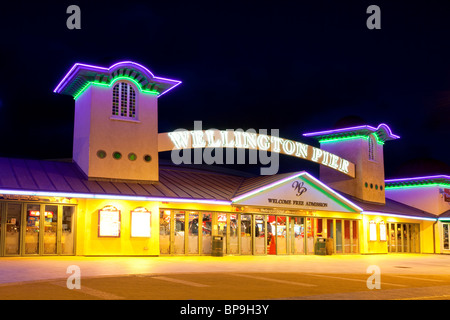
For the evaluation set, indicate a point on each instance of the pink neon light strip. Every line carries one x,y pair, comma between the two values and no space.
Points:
69,74
327,132
418,178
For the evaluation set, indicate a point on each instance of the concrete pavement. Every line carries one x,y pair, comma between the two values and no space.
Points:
20,269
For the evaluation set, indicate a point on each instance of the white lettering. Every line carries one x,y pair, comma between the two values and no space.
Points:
288,147
317,153
180,139
302,150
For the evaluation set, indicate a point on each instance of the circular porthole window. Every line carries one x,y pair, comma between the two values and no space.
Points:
376,187
381,188
132,156
366,184
117,155
101,154
147,158
371,186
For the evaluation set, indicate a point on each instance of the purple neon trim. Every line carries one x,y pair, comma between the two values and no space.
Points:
251,193
110,196
69,75
418,178
374,213
327,132
270,185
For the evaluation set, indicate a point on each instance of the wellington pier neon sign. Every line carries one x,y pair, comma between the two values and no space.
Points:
239,139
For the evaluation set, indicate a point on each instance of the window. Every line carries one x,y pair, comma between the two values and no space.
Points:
124,101
371,148
445,236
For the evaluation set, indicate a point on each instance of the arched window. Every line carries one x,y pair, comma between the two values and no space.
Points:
124,101
371,148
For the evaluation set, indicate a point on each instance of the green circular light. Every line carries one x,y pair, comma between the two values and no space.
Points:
132,156
147,158
117,155
101,154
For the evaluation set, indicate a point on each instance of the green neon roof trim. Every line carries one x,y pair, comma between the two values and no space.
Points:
338,139
417,185
327,194
111,84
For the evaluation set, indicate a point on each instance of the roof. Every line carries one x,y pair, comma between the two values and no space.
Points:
390,207
65,177
382,132
436,180
445,214
81,76
176,182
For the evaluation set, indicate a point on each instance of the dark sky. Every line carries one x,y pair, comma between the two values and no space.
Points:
296,66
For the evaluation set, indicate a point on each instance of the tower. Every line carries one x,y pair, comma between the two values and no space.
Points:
116,120
362,145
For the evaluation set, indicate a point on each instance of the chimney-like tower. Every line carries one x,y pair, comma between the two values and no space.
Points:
362,145
116,120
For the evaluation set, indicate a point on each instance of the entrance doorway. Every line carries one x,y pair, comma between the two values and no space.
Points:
37,229
191,232
403,237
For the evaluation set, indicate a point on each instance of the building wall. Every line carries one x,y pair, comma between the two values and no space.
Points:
89,243
428,199
96,129
366,171
372,247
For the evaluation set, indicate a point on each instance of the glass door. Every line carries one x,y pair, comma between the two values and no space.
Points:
355,239
260,235
281,235
246,234
310,235
271,235
445,237
206,233
234,234
179,243
13,223
338,239
32,230
164,231
222,229
193,233
67,228
298,235
50,229
347,239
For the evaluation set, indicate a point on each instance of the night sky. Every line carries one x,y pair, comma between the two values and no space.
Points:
296,66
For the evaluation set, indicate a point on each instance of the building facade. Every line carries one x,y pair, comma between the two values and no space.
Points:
116,198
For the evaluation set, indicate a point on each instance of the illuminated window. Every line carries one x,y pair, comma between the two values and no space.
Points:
445,241
371,148
124,101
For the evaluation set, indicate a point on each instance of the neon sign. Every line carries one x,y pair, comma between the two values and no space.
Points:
184,139
35,213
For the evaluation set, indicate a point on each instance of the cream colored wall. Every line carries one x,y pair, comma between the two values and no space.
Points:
95,123
372,172
82,127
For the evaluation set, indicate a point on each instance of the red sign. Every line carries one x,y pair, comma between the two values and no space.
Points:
447,195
